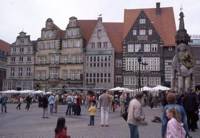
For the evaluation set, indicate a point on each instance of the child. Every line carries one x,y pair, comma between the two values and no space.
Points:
174,126
92,111
61,130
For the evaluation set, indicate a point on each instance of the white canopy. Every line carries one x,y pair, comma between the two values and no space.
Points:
146,88
10,92
160,88
121,89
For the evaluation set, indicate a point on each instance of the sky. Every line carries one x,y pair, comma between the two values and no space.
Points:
30,15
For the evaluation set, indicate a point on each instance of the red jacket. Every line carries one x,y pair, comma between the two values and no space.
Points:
62,134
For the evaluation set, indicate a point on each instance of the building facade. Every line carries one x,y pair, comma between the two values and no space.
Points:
4,52
195,48
72,56
145,36
20,64
47,57
99,61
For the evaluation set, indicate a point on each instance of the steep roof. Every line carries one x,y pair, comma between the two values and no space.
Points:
115,34
4,46
163,23
87,28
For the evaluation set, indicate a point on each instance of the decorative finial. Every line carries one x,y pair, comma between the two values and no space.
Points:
181,9
100,15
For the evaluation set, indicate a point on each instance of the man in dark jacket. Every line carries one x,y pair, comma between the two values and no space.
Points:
45,106
4,100
191,107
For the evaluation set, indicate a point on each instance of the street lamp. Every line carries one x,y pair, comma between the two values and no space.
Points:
139,75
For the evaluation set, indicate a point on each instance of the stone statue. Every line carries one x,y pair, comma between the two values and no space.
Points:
183,61
182,69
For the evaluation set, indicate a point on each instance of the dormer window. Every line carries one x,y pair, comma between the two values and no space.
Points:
150,31
134,32
142,21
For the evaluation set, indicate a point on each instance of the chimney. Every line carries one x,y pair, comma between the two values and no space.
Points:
158,9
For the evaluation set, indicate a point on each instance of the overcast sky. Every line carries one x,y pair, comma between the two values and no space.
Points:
30,15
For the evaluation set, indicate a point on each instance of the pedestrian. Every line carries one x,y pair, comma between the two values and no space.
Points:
122,103
51,101
20,100
56,103
61,129
190,104
78,105
69,101
92,112
4,100
171,103
28,102
174,126
105,102
44,105
136,116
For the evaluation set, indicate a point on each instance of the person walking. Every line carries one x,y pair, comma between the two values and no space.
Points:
122,103
69,101
56,103
136,116
44,105
171,103
92,112
174,126
28,102
105,103
4,100
20,100
51,101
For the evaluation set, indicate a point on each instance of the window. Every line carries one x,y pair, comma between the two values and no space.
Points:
29,59
118,78
93,45
142,21
150,31
99,33
21,50
28,71
13,59
118,63
142,32
130,47
20,59
154,47
147,47
20,70
29,50
137,47
12,71
99,45
134,32
54,73
14,49
105,44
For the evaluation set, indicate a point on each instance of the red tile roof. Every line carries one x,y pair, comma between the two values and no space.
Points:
4,46
87,28
163,23
115,34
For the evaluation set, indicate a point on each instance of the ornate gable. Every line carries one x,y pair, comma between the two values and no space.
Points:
142,30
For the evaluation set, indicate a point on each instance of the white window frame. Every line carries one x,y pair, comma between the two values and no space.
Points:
142,21
131,47
134,32
142,32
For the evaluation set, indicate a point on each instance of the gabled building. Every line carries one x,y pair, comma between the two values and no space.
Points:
72,56
146,33
47,57
4,53
20,64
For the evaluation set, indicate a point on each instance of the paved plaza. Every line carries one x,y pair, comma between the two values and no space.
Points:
29,124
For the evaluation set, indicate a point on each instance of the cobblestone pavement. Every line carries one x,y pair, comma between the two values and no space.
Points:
23,124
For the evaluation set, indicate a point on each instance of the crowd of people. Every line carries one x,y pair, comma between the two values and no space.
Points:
179,118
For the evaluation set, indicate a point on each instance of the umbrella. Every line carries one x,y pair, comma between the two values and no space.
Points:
26,91
38,92
11,92
160,88
121,89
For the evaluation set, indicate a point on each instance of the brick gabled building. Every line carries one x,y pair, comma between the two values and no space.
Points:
4,52
147,32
